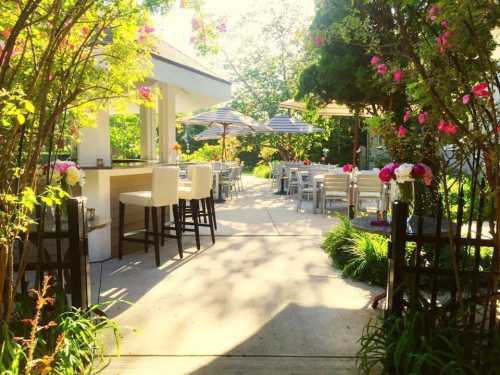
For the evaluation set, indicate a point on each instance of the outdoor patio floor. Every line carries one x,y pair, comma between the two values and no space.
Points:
262,300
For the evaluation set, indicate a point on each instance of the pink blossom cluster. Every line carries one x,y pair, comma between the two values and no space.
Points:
378,64
195,24
443,41
145,92
420,170
347,168
144,32
63,166
447,127
433,12
479,90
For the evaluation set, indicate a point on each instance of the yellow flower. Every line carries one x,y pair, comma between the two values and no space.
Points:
72,176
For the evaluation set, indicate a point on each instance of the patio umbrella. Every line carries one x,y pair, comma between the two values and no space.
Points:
216,133
227,118
285,124
334,109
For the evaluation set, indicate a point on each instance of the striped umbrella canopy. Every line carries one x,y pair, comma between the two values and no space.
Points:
286,124
227,119
216,133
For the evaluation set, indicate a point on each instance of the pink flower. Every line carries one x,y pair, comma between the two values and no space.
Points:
195,24
221,27
385,175
402,131
85,30
481,90
433,12
347,168
427,175
406,116
375,60
444,24
392,166
448,128
318,41
398,76
145,92
148,29
466,99
443,41
381,69
422,118
418,170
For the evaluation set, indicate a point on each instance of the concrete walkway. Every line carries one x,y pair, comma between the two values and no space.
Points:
262,300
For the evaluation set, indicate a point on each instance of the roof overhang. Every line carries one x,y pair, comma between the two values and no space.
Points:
196,88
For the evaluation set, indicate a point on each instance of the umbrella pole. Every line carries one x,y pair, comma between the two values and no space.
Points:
224,142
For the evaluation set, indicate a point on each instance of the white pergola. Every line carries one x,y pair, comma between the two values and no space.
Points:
185,85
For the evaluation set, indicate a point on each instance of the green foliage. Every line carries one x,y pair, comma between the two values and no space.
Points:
262,171
407,345
207,152
338,241
46,336
368,258
125,135
361,256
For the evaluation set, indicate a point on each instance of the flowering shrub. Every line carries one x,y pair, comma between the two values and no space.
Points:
347,168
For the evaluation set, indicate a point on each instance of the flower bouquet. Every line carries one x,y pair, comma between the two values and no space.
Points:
67,173
405,175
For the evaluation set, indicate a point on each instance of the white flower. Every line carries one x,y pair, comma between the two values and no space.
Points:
72,176
403,173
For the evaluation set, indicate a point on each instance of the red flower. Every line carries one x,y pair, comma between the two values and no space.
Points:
422,118
466,99
406,116
375,60
381,69
318,41
145,92
481,90
386,174
347,168
398,76
402,131
418,170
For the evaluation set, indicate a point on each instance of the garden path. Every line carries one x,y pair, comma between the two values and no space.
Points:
263,300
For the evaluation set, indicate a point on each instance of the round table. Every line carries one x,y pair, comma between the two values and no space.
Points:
363,223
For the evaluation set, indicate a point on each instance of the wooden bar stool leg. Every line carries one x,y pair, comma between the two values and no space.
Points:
178,231
210,218
156,236
162,225
146,229
212,203
121,230
195,212
204,210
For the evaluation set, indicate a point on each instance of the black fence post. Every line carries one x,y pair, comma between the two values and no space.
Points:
78,252
397,250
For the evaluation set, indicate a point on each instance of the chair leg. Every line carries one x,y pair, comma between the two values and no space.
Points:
162,224
121,229
146,229
195,211
212,203
204,210
210,219
156,236
178,231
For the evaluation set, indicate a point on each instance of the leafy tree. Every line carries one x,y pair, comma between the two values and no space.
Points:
59,62
125,136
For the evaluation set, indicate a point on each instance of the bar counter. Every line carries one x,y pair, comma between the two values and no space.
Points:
102,188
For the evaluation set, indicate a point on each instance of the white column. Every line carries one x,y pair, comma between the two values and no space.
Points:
166,122
95,142
97,191
147,133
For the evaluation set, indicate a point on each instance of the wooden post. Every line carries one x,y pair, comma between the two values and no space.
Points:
396,258
78,252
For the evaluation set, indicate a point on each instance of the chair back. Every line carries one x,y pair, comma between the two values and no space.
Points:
336,182
368,183
164,186
201,181
303,178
